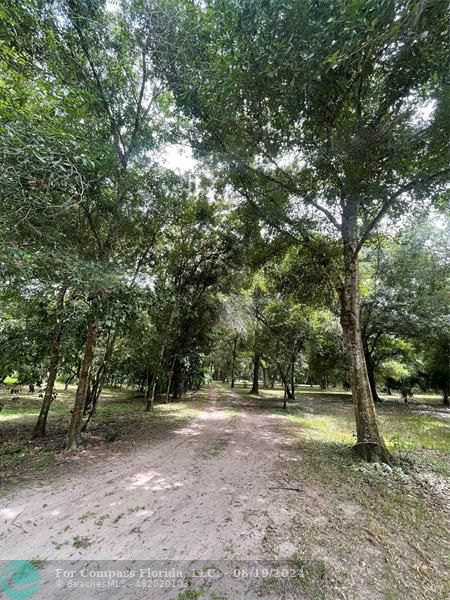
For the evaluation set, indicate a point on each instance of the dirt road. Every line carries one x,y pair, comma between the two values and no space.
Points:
204,492
238,482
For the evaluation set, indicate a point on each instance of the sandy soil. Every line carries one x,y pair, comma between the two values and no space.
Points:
207,491
238,483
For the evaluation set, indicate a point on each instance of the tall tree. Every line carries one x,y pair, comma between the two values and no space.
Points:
343,127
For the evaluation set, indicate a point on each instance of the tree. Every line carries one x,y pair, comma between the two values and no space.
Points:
327,135
437,367
405,282
81,182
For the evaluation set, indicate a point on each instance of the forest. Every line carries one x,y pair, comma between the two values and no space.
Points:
224,292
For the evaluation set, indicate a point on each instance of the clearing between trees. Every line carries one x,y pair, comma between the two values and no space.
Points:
227,475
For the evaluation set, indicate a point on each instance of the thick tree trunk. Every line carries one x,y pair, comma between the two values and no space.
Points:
73,438
39,429
233,362
370,444
256,363
148,389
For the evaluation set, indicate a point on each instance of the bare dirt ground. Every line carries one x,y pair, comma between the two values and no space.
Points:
232,485
204,489
205,492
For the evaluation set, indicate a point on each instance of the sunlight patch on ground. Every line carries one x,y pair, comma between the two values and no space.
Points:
152,480
15,416
8,513
188,431
214,416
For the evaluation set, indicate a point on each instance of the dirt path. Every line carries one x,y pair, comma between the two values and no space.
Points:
204,492
218,490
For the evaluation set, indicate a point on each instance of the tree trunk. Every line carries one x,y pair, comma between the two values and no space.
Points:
69,380
148,391
233,362
176,378
39,429
293,377
151,395
169,381
371,374
73,438
287,393
255,385
97,385
370,444
265,378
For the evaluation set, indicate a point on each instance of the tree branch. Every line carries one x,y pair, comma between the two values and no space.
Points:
305,238
115,130
137,117
293,189
386,205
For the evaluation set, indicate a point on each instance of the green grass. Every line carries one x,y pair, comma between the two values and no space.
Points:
416,432
322,417
81,542
326,428
233,410
191,594
401,431
397,512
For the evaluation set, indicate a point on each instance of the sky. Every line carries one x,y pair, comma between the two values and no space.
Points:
177,157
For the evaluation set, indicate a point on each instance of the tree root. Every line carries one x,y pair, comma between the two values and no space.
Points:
372,452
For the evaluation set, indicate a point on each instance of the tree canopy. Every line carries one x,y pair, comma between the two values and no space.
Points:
298,247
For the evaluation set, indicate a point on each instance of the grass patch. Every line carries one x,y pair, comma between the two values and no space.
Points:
214,450
361,529
323,419
192,594
86,516
38,562
307,579
81,542
415,432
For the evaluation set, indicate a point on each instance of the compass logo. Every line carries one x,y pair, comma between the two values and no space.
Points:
19,580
